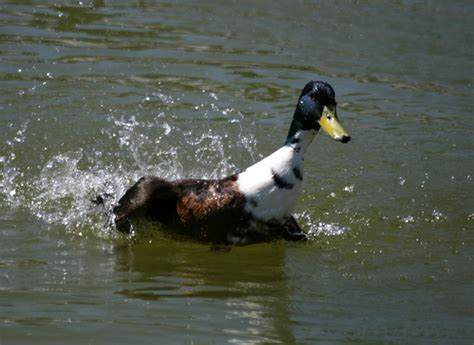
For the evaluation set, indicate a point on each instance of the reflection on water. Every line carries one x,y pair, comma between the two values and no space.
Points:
249,284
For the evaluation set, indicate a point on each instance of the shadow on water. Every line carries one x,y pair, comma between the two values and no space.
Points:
247,286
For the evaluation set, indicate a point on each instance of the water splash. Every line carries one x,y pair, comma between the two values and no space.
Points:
60,188
328,229
63,192
318,227
10,173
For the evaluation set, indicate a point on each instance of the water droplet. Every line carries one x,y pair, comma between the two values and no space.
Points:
349,189
437,215
408,219
167,128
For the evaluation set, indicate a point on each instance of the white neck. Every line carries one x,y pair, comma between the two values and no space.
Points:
272,186
301,140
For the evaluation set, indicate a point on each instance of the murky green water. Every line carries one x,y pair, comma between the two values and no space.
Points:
95,95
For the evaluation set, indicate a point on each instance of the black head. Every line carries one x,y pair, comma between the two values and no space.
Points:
316,108
320,92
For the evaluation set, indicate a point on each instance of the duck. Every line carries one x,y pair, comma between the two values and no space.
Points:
251,206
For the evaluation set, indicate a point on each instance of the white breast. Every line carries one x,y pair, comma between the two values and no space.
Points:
272,186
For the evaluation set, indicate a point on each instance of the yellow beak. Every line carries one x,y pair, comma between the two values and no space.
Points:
330,124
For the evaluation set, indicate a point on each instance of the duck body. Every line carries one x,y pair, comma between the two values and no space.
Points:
254,205
214,211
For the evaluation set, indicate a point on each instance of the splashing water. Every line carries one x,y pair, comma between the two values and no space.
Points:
63,191
59,189
318,227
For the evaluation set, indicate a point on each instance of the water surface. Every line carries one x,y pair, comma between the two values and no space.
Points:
96,94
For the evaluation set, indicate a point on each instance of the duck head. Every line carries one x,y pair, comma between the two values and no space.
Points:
316,108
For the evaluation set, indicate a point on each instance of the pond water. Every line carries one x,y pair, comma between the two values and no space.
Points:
96,94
